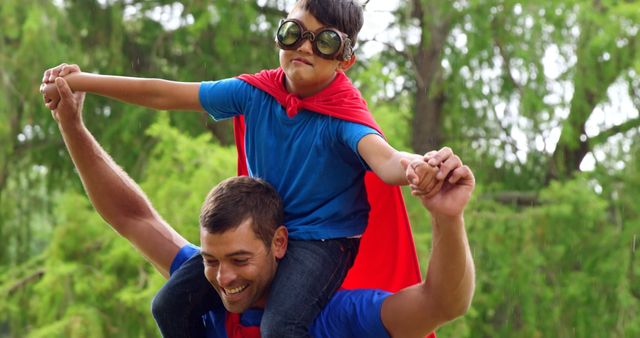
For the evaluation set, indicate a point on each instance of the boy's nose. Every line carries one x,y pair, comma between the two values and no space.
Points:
306,47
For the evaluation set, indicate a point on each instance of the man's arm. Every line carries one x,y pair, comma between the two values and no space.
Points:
151,93
113,193
447,291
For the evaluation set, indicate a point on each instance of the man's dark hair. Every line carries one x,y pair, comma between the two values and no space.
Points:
237,199
345,15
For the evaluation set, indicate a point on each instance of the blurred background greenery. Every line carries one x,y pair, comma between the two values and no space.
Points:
539,98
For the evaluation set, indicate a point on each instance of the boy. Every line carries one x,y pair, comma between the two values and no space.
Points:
309,134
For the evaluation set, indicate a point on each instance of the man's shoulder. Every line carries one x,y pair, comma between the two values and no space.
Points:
352,313
186,252
357,299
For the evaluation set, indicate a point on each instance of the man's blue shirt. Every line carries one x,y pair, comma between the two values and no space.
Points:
312,160
349,313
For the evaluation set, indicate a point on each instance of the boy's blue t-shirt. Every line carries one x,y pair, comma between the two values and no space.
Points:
312,159
349,313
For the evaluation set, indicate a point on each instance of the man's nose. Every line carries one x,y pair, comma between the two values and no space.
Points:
225,276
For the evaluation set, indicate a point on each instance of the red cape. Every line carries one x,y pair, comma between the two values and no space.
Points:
387,258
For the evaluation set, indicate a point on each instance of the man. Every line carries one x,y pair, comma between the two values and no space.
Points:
241,262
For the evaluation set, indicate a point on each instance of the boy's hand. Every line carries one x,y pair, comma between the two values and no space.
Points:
48,88
421,177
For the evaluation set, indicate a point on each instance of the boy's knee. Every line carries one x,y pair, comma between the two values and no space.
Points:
274,327
161,305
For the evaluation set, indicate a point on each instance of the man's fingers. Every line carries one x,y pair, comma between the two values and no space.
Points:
448,166
463,175
53,72
63,89
440,156
426,157
68,69
435,190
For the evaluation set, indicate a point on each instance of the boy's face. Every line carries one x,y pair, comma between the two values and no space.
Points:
239,266
307,73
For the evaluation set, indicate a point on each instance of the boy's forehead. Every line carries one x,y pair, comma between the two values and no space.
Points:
310,21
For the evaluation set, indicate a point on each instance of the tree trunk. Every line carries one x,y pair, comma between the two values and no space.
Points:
427,119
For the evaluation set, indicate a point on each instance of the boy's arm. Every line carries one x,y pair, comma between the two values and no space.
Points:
152,93
112,192
385,161
447,291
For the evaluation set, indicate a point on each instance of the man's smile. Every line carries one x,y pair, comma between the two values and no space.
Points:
234,291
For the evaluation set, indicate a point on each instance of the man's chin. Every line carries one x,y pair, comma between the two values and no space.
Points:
235,308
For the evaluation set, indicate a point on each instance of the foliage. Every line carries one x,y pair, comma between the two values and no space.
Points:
90,274
565,265
560,268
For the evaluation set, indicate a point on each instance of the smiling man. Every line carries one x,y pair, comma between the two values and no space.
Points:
243,239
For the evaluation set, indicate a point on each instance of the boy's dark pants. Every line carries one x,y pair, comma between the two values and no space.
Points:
307,277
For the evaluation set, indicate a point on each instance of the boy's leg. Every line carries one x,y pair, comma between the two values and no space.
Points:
179,305
307,277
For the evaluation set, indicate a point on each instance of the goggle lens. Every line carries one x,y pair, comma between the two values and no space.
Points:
326,42
289,33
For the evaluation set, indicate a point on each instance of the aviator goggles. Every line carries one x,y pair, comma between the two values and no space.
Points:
327,43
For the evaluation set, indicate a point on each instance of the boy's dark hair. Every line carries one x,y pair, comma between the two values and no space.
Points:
237,199
345,15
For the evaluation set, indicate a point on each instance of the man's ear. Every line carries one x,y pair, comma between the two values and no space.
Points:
345,65
280,241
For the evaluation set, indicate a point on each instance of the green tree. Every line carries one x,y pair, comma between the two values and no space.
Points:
481,76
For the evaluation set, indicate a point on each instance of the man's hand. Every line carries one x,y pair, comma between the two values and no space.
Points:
421,177
50,94
457,180
69,109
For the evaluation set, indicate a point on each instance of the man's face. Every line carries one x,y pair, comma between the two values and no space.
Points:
239,266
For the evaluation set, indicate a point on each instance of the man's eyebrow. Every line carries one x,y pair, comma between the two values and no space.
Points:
233,254
240,253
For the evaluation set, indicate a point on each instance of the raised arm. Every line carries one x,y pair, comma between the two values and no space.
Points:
447,291
385,161
152,93
112,192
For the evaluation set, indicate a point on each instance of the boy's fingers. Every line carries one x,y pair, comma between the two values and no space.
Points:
409,172
404,163
424,172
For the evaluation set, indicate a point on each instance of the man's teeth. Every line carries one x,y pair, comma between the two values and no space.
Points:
235,290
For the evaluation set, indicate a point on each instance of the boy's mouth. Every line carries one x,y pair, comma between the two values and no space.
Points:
302,60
